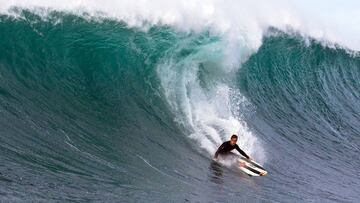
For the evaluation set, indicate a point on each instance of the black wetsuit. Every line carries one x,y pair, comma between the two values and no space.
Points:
226,147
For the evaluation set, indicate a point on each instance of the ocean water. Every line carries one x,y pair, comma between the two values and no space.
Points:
127,102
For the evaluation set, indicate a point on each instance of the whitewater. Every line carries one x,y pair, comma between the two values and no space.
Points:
127,101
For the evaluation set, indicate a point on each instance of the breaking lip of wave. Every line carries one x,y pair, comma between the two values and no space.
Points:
242,22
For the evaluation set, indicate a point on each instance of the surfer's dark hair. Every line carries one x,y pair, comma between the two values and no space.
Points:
233,136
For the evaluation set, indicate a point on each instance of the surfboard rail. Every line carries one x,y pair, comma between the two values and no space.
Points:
251,168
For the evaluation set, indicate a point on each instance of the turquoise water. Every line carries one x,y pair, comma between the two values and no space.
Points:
95,110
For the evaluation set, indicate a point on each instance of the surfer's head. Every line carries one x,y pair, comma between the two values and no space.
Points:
233,139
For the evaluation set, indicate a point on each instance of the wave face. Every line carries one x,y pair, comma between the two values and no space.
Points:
93,109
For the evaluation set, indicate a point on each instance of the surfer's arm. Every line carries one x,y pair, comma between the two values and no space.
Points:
242,152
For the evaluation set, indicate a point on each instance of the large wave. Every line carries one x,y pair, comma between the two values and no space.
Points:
124,101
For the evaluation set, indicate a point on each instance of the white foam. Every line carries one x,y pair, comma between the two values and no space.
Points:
211,113
242,21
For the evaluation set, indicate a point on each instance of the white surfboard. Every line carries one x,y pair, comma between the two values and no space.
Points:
251,167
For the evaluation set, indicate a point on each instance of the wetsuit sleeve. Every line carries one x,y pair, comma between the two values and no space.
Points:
241,152
219,149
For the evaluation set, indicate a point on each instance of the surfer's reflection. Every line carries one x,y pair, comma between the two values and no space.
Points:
216,173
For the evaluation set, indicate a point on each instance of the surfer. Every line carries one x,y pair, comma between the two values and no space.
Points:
226,147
